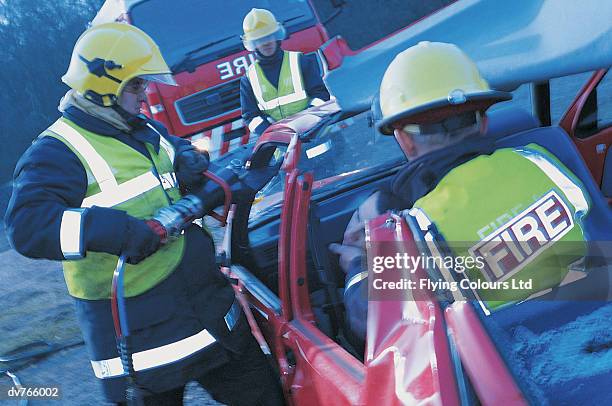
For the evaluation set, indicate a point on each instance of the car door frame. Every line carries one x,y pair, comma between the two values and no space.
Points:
593,148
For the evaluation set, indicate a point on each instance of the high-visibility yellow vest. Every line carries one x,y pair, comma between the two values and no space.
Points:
526,228
289,98
119,177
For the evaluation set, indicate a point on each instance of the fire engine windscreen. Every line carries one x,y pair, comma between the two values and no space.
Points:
182,26
165,78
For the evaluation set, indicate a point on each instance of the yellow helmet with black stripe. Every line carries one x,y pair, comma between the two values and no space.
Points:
107,56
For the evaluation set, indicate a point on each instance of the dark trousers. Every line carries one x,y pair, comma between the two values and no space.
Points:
246,380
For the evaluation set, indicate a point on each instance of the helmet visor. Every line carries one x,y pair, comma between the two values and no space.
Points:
164,78
278,35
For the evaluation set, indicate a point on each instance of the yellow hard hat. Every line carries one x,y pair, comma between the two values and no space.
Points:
260,24
429,82
107,56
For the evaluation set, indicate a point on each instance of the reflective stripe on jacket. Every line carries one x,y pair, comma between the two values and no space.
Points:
181,328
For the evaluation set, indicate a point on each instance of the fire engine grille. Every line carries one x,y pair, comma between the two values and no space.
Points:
210,103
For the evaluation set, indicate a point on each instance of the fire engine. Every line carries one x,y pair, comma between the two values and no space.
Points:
201,43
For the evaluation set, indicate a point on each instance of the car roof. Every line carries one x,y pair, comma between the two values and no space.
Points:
512,42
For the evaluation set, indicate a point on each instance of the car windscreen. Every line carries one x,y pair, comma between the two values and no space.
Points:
343,151
180,26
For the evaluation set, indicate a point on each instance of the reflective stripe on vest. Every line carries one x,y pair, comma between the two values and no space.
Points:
112,194
298,93
155,357
355,279
424,224
572,192
255,122
99,168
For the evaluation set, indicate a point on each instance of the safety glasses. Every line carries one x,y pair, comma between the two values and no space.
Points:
140,83
136,86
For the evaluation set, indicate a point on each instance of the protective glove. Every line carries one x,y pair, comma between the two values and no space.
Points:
141,241
190,163
116,232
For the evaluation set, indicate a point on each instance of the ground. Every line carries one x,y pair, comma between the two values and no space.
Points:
37,308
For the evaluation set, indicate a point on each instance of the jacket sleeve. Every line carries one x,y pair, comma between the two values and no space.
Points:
44,218
256,120
177,142
356,298
313,81
186,170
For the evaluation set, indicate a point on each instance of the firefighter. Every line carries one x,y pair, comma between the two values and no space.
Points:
433,100
279,83
104,181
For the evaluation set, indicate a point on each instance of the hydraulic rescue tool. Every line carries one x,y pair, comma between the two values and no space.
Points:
168,223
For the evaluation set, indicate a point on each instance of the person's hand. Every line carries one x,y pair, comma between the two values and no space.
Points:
141,241
347,254
354,235
190,163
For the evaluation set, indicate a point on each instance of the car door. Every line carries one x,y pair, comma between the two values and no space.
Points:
588,121
313,368
321,371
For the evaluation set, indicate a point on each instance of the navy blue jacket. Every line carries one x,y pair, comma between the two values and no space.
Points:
49,178
271,66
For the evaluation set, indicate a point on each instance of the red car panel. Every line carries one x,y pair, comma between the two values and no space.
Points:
594,147
407,353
